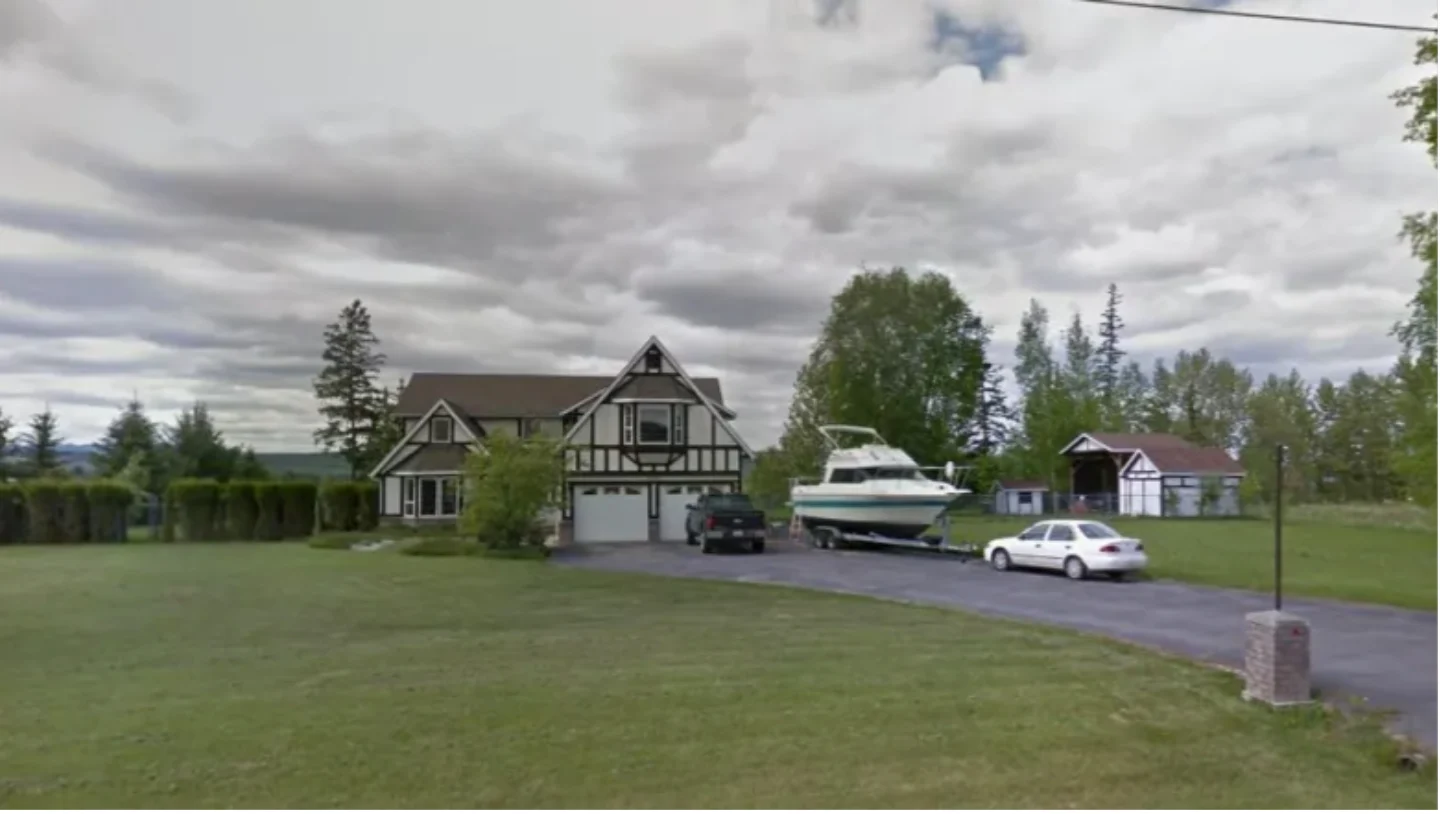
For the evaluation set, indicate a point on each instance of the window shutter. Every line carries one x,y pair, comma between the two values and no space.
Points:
627,423
678,413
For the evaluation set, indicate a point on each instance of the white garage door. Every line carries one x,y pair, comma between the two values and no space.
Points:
674,497
611,514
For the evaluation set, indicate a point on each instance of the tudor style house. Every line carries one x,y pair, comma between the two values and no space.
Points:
1153,474
640,445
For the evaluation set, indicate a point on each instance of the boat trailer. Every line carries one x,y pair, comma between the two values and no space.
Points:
829,537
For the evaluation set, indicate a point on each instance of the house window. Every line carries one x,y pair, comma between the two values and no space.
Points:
408,509
449,497
433,497
654,423
440,430
627,424
680,414
1026,498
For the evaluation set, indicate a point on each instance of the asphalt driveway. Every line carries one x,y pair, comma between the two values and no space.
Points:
1384,656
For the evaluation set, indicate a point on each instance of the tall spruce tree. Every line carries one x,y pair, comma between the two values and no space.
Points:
352,404
195,448
7,443
1109,356
42,443
129,435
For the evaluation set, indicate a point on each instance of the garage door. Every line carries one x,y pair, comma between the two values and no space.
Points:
674,497
611,514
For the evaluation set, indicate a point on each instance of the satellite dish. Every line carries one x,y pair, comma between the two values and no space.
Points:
950,471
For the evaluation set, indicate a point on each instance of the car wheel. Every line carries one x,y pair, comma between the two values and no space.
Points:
1000,560
1075,568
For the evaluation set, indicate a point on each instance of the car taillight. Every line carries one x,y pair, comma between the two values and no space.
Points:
1109,548
710,522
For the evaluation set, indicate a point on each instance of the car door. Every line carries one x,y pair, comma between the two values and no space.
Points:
1059,544
1028,545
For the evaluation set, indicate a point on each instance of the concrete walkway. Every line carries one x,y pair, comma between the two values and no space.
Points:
1384,656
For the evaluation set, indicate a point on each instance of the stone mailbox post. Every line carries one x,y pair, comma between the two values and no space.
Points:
1277,658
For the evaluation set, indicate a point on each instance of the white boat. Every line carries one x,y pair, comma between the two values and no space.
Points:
870,487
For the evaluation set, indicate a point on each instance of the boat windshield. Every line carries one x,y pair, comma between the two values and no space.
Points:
860,475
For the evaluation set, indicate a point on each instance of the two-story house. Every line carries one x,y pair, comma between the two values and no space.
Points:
640,445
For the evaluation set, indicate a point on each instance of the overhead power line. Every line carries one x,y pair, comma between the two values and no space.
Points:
1286,18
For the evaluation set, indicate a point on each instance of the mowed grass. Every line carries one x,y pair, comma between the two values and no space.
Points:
1385,565
276,675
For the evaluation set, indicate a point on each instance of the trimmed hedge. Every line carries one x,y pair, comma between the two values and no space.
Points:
297,508
241,511
74,512
110,503
347,505
204,510
268,503
199,514
13,524
44,511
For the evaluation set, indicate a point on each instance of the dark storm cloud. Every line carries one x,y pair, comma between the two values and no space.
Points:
74,223
740,302
414,196
84,285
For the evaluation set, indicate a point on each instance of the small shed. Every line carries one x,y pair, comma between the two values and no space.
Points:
1020,496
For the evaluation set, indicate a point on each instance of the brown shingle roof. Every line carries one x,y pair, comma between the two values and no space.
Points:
510,395
1193,461
1140,440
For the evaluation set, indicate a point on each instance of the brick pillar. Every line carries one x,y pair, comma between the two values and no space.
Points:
1277,658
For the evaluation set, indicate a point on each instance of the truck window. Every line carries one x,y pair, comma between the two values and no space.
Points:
729,503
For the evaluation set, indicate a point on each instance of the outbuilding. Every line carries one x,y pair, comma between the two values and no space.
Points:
1021,497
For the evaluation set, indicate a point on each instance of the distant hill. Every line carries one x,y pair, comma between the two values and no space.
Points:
305,464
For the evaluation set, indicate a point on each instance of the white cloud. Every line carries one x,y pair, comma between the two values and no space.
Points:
193,189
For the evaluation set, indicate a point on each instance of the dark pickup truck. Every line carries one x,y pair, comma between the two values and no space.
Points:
713,521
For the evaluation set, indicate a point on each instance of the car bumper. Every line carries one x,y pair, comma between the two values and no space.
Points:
1117,562
742,536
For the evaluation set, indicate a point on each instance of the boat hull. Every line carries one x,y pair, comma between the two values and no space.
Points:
892,516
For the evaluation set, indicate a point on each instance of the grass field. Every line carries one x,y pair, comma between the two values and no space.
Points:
276,675
1390,566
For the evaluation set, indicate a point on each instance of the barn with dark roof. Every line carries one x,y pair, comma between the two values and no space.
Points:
1154,474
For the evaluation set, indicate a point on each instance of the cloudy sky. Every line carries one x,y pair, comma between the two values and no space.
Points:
192,189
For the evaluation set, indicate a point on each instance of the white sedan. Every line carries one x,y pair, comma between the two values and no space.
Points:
1077,547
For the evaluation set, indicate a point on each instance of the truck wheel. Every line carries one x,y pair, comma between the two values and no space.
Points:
690,539
706,547
757,547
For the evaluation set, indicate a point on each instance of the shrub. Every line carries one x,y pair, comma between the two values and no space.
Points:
198,510
441,547
339,505
367,516
45,511
268,504
511,483
74,512
12,514
110,503
297,508
241,512
168,517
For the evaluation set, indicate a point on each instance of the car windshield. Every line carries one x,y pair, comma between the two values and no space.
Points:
1098,531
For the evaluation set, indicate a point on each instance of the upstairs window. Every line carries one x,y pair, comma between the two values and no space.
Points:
681,413
440,429
654,420
627,424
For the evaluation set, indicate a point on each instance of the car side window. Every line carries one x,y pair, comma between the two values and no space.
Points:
1060,531
1035,532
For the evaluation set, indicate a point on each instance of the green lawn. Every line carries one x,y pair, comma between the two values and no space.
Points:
1391,566
276,675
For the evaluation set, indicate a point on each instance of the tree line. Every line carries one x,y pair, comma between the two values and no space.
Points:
135,449
909,356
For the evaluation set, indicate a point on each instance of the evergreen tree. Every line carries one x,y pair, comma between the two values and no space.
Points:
42,444
351,403
7,443
1108,371
130,434
195,447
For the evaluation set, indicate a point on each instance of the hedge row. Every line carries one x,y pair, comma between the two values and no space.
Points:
204,510
48,511
349,506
